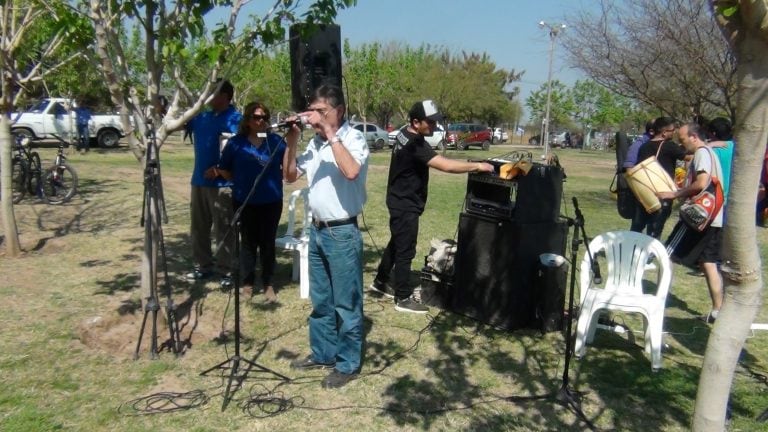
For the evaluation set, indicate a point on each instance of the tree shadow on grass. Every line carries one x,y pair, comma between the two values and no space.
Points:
616,376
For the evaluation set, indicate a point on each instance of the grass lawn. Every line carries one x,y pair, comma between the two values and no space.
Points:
72,313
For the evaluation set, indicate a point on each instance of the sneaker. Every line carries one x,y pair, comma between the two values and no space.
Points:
309,363
226,283
382,288
198,275
410,305
709,318
337,379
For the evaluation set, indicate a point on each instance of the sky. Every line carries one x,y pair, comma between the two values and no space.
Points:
507,30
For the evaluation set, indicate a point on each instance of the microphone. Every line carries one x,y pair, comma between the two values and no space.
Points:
597,278
287,124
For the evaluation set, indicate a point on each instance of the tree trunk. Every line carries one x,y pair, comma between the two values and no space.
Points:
11,233
741,267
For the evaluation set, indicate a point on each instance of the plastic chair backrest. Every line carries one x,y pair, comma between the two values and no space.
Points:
626,255
290,230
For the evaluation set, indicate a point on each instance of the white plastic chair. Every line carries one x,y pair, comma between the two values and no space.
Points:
626,256
298,244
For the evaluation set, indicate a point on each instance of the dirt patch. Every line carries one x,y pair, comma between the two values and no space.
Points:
116,333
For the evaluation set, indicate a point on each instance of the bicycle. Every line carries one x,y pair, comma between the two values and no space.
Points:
59,181
26,170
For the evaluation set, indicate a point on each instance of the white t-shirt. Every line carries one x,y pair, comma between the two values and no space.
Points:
705,160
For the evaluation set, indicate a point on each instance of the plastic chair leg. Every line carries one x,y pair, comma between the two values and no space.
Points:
303,253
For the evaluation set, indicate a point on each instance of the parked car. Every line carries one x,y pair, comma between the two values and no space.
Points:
500,135
374,135
562,140
55,116
436,141
463,135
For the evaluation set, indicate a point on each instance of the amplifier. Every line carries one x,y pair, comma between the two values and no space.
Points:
488,208
489,195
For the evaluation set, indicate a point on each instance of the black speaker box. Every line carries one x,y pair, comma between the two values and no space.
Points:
496,268
539,194
315,60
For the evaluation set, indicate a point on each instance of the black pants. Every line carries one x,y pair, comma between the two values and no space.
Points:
400,251
258,230
653,223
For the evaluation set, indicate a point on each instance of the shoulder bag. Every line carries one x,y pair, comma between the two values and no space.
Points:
699,211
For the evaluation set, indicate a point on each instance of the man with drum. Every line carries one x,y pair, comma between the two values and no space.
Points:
667,152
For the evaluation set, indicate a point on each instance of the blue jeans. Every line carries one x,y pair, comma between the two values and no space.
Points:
336,290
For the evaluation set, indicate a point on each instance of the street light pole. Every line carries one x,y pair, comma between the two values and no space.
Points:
554,30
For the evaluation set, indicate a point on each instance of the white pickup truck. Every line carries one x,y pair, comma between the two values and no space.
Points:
56,116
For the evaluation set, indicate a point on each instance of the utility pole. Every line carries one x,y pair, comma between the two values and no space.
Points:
554,30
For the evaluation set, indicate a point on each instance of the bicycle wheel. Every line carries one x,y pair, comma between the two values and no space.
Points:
19,173
35,172
59,184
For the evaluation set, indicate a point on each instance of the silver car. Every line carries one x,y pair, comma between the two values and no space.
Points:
374,135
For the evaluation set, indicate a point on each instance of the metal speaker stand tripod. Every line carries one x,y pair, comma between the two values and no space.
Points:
565,395
153,215
235,362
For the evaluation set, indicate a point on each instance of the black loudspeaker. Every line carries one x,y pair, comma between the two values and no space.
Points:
539,194
496,268
315,60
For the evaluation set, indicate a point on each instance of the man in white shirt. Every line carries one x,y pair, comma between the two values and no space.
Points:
336,165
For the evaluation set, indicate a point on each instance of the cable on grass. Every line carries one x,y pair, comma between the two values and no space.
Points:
164,402
263,403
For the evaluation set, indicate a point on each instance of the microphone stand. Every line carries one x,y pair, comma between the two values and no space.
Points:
153,215
233,363
565,395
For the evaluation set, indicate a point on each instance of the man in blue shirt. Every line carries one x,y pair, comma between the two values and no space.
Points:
631,159
211,198
82,118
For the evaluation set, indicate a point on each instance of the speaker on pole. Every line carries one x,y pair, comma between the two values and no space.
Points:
315,60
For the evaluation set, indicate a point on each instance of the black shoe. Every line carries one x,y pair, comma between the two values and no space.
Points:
382,288
309,363
198,275
337,379
410,305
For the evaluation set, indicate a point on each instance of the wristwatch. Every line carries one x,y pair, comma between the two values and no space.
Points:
335,140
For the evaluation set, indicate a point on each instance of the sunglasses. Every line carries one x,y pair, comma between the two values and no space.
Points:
260,117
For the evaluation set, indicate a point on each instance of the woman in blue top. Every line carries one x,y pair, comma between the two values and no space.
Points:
253,151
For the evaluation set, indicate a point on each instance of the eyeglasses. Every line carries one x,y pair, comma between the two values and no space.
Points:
259,117
322,111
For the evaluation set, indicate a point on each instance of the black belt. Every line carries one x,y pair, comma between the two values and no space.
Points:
333,223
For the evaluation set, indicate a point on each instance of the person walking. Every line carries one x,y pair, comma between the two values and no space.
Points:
211,197
336,165
407,188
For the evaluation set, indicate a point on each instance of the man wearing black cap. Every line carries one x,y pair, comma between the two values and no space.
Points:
406,196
